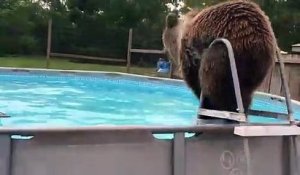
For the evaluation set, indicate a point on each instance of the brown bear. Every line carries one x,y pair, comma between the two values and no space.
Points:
187,38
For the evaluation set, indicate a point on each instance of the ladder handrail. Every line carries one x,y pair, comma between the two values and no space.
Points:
237,90
234,73
236,83
286,89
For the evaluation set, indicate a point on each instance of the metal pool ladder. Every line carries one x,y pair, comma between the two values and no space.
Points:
247,130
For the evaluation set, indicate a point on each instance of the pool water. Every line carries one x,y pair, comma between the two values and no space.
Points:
74,100
57,99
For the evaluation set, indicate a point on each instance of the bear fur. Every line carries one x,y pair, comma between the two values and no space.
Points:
187,38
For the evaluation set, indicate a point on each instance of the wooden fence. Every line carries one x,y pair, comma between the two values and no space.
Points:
70,55
272,83
131,50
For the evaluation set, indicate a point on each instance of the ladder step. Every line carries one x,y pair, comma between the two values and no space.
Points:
268,114
240,117
255,131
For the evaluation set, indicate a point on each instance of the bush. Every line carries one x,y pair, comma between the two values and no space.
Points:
28,44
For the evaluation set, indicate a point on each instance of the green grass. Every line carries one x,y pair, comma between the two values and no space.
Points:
55,63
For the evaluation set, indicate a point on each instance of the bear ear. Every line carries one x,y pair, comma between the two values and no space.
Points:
171,20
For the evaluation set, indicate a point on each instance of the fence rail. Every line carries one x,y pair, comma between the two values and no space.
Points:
148,51
50,53
86,57
272,83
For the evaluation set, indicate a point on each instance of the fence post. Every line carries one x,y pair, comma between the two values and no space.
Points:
49,42
129,50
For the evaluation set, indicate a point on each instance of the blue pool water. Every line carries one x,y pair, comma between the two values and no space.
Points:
74,100
56,99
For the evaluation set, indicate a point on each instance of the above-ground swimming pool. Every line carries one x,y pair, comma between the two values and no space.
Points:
64,98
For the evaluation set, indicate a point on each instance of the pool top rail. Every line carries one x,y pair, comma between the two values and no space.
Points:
229,128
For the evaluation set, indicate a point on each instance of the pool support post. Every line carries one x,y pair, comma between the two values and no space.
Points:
179,159
5,154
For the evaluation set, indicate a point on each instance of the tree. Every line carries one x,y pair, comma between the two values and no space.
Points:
100,27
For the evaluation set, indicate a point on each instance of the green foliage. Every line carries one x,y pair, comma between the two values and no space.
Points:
20,22
28,44
100,27
284,15
285,18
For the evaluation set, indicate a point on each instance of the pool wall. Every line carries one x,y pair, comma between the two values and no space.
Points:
134,151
